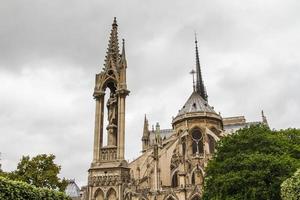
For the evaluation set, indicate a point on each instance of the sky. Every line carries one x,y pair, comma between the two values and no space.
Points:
51,51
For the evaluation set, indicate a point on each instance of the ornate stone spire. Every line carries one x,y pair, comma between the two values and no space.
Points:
146,135
146,127
264,118
113,54
200,88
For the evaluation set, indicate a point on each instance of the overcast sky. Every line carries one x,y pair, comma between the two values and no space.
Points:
50,52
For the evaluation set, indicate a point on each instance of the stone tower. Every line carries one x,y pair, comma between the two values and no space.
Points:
109,172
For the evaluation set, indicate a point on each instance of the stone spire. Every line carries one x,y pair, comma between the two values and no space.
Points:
146,127
264,118
199,81
123,55
146,135
112,54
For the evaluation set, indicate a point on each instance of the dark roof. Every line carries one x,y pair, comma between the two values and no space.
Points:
195,104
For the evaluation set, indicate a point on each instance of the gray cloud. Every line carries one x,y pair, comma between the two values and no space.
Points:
51,50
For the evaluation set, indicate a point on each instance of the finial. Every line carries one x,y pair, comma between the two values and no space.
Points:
193,72
115,22
123,48
196,41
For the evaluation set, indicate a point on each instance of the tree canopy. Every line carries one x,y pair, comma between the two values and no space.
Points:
290,188
40,171
252,163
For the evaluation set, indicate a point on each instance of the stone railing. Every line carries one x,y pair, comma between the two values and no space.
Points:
108,153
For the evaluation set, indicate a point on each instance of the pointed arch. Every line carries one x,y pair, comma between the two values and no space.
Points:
196,197
110,83
99,194
111,194
171,196
195,179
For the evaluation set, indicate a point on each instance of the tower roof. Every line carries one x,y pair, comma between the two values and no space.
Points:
195,103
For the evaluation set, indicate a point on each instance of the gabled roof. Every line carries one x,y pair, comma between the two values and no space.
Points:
195,104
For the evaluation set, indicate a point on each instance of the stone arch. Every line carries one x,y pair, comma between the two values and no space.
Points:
111,194
171,196
99,194
110,83
194,179
211,131
195,197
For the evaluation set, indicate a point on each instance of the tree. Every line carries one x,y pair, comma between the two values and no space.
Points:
252,163
290,188
40,171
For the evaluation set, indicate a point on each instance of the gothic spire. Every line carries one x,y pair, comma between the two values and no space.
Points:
146,127
112,53
264,118
200,88
123,55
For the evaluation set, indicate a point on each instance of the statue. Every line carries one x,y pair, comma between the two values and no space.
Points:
112,109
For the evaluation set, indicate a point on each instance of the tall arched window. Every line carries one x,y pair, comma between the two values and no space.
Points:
99,195
175,180
197,144
211,143
111,194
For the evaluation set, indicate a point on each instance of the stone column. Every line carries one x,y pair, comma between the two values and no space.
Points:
98,131
121,123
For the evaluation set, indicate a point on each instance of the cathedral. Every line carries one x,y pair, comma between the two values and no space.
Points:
172,163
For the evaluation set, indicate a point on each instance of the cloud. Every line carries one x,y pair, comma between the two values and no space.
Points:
51,50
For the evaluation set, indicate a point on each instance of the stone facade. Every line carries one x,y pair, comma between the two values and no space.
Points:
172,163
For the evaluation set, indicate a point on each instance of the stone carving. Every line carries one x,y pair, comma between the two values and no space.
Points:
112,109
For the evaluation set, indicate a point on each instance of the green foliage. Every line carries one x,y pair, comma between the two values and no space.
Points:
17,190
290,188
40,171
252,163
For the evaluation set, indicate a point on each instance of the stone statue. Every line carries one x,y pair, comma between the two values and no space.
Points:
112,109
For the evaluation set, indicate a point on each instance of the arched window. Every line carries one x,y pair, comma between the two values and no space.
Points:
211,143
99,195
175,180
197,177
197,144
111,194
